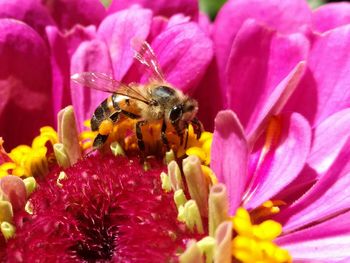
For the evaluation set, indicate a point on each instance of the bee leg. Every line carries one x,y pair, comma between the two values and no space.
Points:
163,135
187,133
197,127
99,141
139,136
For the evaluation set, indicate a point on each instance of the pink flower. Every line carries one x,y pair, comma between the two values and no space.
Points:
281,59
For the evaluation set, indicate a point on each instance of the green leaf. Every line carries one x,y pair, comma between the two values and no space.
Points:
211,7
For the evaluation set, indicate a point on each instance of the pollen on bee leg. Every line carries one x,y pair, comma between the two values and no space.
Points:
105,127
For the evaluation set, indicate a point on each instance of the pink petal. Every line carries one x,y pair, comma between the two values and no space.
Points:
284,16
14,191
62,47
118,29
60,69
283,162
160,7
209,90
30,12
184,53
330,16
326,241
90,56
68,13
329,139
25,83
324,88
326,198
263,65
229,156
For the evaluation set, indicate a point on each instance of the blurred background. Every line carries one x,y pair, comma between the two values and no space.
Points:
211,7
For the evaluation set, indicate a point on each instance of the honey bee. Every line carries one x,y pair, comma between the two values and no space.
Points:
156,100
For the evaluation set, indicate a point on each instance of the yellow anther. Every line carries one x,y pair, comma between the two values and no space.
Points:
7,229
117,149
198,152
30,185
254,243
179,198
106,127
62,176
268,208
166,184
207,246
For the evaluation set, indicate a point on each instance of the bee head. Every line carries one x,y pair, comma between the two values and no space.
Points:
185,111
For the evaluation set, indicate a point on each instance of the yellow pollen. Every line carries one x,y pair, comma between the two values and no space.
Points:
267,209
29,161
106,127
254,243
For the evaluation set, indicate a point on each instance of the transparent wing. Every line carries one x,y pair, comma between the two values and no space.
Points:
145,54
104,82
98,81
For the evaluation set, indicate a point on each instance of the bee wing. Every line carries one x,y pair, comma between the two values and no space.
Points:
104,82
98,81
145,55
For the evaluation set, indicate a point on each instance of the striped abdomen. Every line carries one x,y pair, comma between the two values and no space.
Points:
109,108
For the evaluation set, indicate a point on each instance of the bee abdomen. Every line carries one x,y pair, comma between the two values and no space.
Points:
109,108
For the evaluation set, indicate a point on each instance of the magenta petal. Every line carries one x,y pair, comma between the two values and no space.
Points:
283,162
286,16
25,83
184,53
14,191
90,56
229,156
68,13
160,7
330,16
325,88
30,11
329,139
118,29
327,197
60,69
262,65
327,241
62,47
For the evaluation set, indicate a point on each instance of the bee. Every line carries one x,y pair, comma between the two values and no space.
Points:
156,100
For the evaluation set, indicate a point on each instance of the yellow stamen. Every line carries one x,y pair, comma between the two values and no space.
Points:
30,185
29,161
6,212
7,229
62,176
254,243
117,149
267,209
207,246
179,198
166,184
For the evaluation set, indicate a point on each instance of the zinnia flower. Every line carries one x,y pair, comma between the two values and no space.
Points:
275,188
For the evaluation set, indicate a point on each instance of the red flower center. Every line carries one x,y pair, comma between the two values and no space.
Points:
107,209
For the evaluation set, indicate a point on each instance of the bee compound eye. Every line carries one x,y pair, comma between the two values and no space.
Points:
175,113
